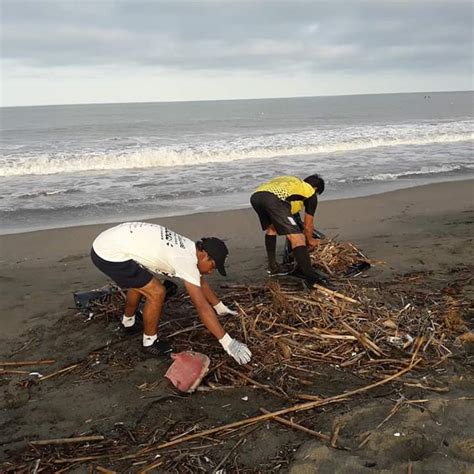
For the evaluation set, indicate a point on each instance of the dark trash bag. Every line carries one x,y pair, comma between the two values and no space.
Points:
85,300
357,268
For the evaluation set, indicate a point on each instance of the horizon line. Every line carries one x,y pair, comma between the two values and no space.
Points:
226,100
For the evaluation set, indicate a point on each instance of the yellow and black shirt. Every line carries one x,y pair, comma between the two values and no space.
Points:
293,190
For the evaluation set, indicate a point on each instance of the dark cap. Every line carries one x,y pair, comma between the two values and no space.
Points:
217,250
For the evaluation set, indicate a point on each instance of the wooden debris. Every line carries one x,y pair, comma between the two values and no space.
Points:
335,257
298,427
296,339
58,372
25,363
335,294
79,439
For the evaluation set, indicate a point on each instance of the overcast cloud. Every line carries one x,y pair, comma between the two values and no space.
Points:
66,51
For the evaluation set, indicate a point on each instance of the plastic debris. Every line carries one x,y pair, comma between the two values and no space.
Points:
188,370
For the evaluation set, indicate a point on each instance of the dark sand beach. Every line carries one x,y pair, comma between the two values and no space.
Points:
427,229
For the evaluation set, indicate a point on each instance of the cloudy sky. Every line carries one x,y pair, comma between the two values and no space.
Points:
68,51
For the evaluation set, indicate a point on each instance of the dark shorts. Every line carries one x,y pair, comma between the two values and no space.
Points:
272,210
128,274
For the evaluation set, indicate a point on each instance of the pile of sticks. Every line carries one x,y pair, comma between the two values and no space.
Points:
336,257
379,333
370,332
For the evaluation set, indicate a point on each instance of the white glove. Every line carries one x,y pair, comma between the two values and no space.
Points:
221,309
238,350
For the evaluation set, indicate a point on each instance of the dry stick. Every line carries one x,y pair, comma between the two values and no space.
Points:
30,362
299,407
242,314
188,329
81,459
66,369
254,382
393,411
418,344
298,427
424,387
36,466
227,456
80,439
323,289
302,300
104,470
364,340
14,372
359,252
334,436
150,467
23,347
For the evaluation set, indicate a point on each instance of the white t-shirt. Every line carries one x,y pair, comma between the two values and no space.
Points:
155,247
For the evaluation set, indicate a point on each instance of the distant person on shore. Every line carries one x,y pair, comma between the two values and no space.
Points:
129,253
275,202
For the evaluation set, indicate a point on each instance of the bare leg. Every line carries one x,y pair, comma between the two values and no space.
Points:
132,301
270,230
296,240
155,293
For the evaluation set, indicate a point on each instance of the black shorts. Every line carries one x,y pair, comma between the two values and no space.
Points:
272,210
128,274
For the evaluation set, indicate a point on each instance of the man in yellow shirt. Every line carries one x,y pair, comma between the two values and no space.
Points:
275,202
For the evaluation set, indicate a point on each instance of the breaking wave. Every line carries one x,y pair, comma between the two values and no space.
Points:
424,171
220,151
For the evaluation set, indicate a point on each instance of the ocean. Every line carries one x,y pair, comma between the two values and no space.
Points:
82,164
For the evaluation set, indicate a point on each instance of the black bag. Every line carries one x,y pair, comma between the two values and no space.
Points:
86,300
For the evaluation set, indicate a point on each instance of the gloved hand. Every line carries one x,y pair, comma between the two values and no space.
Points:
221,309
238,350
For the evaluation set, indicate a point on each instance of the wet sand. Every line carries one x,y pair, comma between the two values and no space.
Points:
428,229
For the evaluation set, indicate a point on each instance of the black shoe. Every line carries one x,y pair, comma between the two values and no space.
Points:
158,348
278,270
136,328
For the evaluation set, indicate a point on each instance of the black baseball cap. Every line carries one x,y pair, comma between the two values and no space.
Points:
217,250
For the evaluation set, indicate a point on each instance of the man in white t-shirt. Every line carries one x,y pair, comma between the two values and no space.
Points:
129,253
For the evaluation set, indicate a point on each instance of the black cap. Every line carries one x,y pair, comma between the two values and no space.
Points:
217,250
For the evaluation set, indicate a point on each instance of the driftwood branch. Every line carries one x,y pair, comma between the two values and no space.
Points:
25,363
335,294
296,426
79,439
295,408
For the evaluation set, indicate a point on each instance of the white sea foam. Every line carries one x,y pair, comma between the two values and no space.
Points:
219,151
425,170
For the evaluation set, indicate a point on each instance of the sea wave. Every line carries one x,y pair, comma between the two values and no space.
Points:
256,147
48,193
424,171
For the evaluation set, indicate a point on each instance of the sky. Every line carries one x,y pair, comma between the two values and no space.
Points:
102,51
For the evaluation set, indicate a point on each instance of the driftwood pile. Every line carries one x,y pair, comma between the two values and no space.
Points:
338,257
371,332
377,333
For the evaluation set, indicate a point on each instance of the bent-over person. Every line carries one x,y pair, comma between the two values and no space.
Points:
275,203
132,252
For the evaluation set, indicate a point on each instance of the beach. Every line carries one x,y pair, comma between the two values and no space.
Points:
425,229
